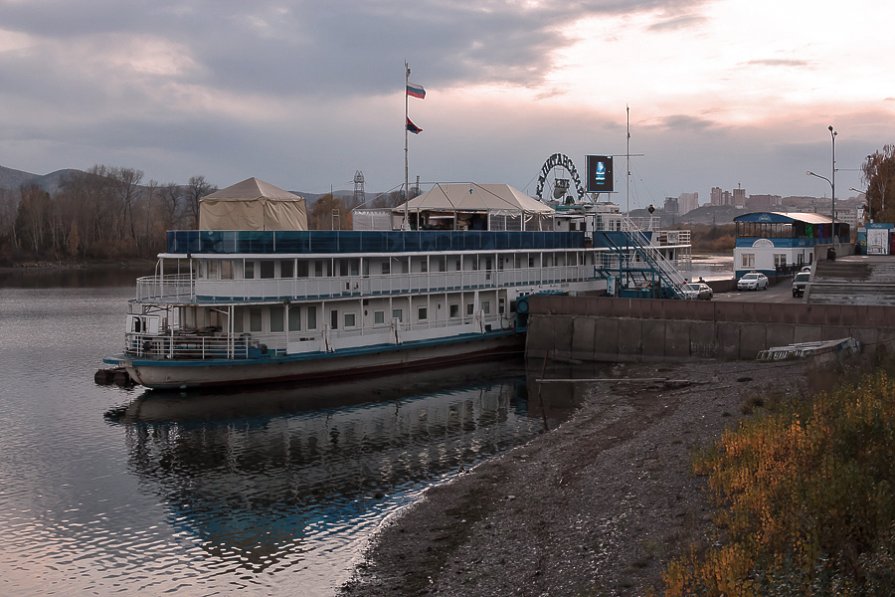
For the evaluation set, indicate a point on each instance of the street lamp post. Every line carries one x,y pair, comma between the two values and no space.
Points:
832,190
833,183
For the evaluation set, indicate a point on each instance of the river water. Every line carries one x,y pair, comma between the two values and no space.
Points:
273,491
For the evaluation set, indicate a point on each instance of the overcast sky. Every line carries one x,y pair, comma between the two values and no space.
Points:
304,93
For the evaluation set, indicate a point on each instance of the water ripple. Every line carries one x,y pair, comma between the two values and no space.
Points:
271,492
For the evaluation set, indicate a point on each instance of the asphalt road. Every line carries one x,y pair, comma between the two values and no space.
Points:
776,293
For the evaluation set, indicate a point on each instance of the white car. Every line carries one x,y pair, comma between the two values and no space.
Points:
753,281
697,291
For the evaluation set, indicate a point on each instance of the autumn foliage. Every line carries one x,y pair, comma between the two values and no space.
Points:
806,499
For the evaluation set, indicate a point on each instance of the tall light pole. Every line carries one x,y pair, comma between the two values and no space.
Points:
832,190
833,183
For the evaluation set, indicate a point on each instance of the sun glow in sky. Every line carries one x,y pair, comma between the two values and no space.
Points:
303,94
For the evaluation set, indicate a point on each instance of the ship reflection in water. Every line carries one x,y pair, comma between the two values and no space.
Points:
296,478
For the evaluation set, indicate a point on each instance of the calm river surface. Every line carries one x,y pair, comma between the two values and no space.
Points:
274,491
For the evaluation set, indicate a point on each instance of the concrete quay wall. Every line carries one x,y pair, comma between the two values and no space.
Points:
615,329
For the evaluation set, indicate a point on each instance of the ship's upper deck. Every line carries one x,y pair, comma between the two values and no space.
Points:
195,242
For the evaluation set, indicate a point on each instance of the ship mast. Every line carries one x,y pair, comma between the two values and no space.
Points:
404,225
628,161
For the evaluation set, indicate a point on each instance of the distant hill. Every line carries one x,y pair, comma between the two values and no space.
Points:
11,179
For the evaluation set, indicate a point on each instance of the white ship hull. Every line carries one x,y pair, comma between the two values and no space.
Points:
370,360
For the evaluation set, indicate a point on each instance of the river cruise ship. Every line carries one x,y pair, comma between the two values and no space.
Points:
253,296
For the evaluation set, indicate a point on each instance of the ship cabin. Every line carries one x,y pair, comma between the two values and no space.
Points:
453,262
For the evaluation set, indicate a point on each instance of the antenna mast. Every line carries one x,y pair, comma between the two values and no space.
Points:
628,161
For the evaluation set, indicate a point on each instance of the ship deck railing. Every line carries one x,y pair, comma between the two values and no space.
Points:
180,288
183,344
192,344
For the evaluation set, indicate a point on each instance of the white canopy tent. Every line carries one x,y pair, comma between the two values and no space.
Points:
252,205
468,205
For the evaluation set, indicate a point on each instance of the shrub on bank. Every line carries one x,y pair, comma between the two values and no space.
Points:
806,498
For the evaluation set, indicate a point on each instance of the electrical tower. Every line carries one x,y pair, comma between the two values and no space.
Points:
359,195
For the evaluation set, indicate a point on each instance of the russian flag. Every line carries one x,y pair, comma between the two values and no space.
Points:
414,90
413,128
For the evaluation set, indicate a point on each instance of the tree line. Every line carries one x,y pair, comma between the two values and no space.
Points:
110,213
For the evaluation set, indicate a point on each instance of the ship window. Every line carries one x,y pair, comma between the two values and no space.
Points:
294,319
424,265
226,270
343,267
266,269
350,319
459,264
254,320
397,314
455,310
276,319
312,318
287,268
386,269
334,319
318,269
203,272
488,264
355,266
378,317
302,269
248,271
422,314
213,270
531,261
470,309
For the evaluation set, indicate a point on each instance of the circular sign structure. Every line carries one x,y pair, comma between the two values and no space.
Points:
558,180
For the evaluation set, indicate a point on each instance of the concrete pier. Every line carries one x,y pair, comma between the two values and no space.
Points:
614,329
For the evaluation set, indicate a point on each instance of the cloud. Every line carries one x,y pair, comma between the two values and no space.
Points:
684,122
782,62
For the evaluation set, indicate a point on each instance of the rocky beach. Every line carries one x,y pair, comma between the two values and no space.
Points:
598,506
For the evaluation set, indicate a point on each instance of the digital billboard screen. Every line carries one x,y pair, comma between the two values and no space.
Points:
599,174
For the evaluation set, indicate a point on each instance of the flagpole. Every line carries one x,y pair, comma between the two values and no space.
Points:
405,225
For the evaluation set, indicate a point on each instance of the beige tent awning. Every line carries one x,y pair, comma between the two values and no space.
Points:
476,197
252,205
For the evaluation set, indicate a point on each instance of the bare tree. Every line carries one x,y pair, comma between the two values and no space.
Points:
195,190
171,200
879,176
33,219
9,241
329,213
127,182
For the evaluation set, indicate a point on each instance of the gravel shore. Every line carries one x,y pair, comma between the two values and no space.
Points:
598,506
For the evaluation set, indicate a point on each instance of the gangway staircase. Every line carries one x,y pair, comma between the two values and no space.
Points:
657,267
